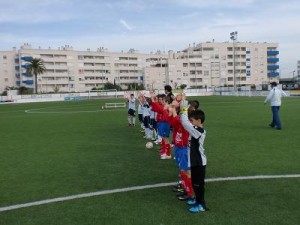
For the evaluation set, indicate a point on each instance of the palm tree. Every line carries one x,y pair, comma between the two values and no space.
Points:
36,66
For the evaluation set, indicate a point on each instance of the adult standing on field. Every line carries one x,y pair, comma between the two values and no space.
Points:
274,97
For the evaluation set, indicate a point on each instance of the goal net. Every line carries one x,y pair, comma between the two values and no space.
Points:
96,94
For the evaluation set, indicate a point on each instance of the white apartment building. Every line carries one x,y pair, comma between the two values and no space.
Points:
205,65
298,71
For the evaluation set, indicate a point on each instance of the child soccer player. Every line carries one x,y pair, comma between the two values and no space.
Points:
146,117
181,140
197,157
163,126
131,110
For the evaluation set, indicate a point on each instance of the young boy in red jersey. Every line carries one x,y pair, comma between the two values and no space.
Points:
163,126
181,140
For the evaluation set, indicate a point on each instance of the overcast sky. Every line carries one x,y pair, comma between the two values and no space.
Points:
151,25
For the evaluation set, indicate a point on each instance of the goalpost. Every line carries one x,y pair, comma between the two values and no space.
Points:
109,93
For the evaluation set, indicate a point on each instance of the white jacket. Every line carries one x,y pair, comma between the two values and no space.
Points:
274,96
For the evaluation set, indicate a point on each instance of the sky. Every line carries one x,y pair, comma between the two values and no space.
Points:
151,25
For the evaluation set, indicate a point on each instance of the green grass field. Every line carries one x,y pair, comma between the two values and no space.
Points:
68,148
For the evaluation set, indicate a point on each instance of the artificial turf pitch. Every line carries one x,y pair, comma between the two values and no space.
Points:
50,150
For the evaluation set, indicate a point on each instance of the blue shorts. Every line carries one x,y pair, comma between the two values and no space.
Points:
181,155
163,129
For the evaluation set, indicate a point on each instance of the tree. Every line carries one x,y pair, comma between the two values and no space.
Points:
36,67
183,86
24,90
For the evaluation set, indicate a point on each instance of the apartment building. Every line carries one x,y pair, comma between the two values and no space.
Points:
298,71
7,69
205,65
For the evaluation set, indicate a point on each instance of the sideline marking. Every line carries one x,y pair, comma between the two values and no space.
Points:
119,190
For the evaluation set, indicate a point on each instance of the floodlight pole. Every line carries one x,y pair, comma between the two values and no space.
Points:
233,37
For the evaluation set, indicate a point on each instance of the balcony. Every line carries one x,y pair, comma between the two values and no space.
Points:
26,74
27,81
272,53
17,75
25,66
273,67
273,74
26,58
273,60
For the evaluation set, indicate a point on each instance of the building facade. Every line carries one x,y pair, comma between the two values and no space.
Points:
205,65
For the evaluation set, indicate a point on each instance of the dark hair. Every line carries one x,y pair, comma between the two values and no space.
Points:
168,88
197,114
168,99
194,103
274,84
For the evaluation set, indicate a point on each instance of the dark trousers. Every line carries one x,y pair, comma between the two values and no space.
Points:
198,176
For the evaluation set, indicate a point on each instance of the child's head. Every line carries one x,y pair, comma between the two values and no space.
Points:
197,117
194,103
168,89
161,98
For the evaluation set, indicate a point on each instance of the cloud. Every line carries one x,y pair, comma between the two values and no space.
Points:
126,25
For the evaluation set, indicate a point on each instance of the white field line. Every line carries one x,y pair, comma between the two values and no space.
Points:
119,190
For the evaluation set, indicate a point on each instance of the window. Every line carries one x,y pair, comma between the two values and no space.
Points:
4,57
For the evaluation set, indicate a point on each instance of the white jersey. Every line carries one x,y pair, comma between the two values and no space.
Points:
146,110
152,113
140,109
131,103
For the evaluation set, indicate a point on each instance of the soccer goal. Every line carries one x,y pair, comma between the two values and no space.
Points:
115,105
110,93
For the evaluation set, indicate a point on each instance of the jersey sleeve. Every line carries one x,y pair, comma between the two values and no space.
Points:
189,127
157,107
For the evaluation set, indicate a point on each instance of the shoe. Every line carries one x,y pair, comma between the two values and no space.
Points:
183,197
278,128
178,189
153,139
164,156
191,201
197,208
181,194
271,125
157,142
178,185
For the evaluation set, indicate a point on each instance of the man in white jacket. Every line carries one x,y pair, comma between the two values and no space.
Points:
274,97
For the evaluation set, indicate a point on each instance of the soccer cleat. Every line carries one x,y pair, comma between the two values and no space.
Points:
181,194
191,201
271,125
197,208
164,156
157,142
178,189
183,197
